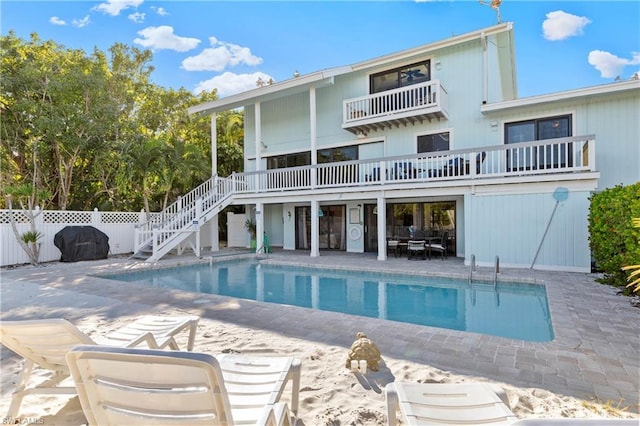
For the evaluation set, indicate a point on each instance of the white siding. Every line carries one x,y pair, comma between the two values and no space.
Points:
512,226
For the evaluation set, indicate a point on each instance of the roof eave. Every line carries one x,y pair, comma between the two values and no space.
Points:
603,89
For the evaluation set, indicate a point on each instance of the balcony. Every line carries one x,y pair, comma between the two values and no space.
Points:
570,158
393,108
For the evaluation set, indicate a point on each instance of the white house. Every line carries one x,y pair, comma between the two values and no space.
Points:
416,144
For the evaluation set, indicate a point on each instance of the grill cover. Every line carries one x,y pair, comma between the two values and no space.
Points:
81,243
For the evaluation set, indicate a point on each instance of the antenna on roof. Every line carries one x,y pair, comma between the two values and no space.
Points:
495,5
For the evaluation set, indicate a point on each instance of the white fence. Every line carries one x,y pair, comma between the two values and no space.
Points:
119,226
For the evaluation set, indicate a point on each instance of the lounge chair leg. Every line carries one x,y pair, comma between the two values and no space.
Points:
18,393
295,385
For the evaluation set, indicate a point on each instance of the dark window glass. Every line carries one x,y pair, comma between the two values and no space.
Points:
289,160
400,77
535,130
435,142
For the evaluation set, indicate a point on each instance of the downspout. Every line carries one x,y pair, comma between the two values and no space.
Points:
485,69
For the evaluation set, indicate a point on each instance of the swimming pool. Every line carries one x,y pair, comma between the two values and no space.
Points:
513,310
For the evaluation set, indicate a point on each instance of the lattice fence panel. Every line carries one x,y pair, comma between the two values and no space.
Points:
121,217
18,216
67,217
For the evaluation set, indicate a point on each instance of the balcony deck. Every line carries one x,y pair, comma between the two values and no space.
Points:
570,158
413,104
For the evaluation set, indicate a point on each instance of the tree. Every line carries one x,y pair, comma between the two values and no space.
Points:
28,198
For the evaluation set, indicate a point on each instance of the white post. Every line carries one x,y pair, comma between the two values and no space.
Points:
315,229
313,133
382,228
258,147
214,145
259,226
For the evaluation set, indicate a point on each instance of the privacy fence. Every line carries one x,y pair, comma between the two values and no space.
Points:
119,226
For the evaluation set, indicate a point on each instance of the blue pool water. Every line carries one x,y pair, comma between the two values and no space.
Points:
513,310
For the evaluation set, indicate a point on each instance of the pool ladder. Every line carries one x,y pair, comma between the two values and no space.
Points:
496,270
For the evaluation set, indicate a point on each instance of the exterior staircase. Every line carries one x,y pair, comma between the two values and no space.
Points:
174,226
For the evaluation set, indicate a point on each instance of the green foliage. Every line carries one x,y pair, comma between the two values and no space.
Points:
31,237
91,130
613,239
250,225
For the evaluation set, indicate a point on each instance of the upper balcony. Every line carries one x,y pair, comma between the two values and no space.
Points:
392,108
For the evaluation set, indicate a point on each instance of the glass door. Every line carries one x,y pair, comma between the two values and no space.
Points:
370,228
332,228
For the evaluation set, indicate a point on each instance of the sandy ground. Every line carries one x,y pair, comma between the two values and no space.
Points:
330,394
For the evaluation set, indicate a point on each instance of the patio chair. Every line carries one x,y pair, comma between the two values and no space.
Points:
447,403
130,386
393,246
415,248
44,344
441,247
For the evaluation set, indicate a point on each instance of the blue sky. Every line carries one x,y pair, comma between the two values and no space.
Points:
228,45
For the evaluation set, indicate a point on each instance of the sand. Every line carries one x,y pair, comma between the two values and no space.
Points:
330,394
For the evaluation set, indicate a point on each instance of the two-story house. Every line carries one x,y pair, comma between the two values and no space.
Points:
430,143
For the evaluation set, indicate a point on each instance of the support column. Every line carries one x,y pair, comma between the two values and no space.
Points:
258,147
382,228
315,229
259,226
213,223
214,145
313,134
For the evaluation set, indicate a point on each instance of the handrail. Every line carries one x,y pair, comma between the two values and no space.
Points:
496,271
549,156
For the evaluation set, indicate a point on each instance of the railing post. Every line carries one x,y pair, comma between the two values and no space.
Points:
592,154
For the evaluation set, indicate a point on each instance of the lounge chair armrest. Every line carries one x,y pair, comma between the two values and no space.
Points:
275,415
391,395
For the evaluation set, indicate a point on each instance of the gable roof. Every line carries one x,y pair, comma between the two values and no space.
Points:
325,77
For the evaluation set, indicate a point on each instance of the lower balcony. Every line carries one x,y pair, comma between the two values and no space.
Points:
558,159
392,108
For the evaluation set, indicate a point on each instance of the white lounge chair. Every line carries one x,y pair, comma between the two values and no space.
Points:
127,386
44,343
445,403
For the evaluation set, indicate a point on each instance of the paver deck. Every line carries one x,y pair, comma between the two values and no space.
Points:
595,353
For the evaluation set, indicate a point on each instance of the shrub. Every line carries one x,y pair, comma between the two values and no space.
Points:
612,236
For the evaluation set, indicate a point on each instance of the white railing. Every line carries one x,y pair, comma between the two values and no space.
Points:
183,217
396,101
564,155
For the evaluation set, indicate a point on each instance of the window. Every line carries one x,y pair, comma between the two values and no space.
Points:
434,142
535,130
289,160
401,77
333,155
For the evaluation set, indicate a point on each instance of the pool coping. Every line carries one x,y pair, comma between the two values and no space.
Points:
594,354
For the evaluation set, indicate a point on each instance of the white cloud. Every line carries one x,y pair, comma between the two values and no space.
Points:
609,64
560,25
219,56
160,10
114,7
79,23
163,38
229,83
57,21
137,17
